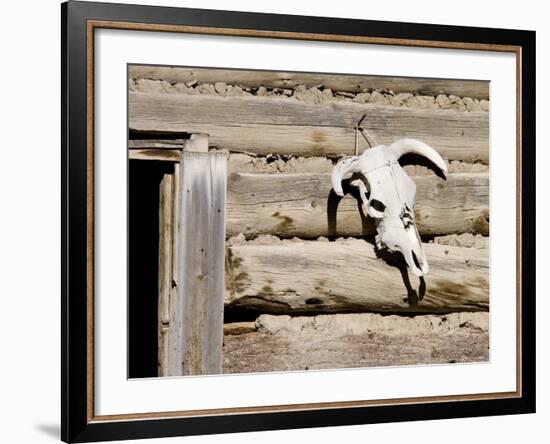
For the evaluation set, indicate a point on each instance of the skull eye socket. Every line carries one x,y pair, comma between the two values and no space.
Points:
377,205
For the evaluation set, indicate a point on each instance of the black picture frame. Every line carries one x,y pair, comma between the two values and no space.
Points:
77,424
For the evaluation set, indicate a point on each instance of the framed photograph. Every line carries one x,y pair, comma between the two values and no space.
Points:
276,221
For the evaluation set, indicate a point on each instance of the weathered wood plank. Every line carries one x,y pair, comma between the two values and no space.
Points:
302,205
287,126
336,82
166,149
175,284
197,143
160,143
315,277
170,155
196,324
164,269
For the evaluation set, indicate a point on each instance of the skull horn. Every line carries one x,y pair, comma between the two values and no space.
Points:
405,146
344,169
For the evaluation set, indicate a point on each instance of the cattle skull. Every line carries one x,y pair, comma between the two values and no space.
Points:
388,195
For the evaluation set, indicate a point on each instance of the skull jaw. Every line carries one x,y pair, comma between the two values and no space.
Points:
412,263
407,242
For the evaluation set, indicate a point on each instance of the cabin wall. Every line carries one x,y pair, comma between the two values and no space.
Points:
296,255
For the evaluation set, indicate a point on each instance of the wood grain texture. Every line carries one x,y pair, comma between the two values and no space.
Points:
175,284
196,323
336,82
160,143
265,125
169,155
164,268
302,205
166,149
320,277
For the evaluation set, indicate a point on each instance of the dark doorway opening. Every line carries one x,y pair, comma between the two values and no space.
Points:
143,247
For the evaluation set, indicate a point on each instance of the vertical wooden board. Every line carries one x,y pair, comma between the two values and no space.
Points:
164,268
172,367
198,308
165,246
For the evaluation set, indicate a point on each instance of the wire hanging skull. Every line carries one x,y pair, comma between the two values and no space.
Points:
388,195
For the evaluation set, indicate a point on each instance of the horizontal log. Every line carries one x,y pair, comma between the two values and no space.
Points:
170,155
250,163
316,277
149,144
336,82
288,205
352,340
166,149
264,125
239,328
262,352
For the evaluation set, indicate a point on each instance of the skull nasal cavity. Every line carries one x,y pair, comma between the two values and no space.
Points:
377,205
